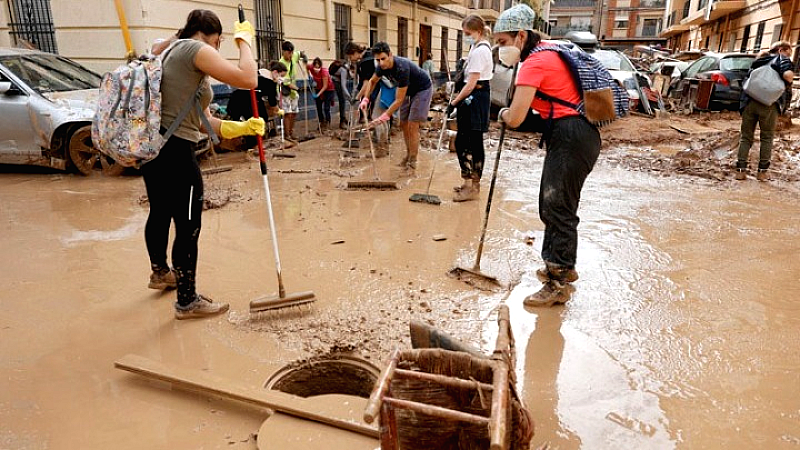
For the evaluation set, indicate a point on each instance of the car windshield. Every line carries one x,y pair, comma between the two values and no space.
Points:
613,60
736,63
51,73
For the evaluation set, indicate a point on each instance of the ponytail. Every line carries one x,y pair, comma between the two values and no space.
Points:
200,20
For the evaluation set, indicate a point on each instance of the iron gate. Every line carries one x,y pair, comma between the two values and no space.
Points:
269,30
32,22
342,17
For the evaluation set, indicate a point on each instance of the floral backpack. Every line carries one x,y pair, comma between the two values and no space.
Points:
127,121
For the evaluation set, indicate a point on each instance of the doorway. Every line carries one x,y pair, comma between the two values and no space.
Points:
425,36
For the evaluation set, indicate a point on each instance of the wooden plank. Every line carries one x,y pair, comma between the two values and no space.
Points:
191,380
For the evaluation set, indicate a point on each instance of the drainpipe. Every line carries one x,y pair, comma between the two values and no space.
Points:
415,21
328,38
787,32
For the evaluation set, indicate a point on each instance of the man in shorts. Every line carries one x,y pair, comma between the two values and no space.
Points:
290,99
412,99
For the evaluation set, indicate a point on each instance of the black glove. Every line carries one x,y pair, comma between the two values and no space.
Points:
450,109
353,100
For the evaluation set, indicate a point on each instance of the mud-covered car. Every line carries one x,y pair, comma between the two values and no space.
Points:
47,103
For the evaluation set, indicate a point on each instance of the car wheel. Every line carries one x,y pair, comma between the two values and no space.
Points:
86,159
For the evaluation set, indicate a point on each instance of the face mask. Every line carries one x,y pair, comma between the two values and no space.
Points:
469,40
509,55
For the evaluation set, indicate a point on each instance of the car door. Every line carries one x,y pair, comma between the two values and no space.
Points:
17,134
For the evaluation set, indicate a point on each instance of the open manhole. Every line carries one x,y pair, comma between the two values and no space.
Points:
329,374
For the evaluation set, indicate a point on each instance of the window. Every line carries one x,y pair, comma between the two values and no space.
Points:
745,38
759,36
776,33
402,36
32,22
373,30
342,22
459,44
444,49
621,24
269,32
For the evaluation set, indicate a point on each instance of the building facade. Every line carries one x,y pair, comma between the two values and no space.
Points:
89,31
616,23
747,26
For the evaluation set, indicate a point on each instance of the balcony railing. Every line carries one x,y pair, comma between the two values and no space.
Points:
653,3
650,31
562,30
573,4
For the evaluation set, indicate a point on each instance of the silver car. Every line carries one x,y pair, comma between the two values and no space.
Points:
47,103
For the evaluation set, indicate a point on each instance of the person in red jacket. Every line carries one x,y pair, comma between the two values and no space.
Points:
323,92
572,144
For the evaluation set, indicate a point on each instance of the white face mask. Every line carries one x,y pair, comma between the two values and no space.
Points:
469,40
509,55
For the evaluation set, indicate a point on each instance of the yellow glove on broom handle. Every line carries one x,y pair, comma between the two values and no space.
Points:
244,31
251,127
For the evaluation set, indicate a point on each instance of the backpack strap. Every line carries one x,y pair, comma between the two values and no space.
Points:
193,101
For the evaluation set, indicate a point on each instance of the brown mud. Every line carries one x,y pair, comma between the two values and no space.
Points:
681,334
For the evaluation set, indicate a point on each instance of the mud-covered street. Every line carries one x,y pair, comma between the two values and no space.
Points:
682,333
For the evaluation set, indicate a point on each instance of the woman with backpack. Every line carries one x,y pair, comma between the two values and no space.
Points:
340,74
572,144
323,95
173,180
473,102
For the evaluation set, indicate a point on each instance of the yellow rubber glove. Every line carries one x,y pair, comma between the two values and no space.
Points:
244,31
230,129
281,112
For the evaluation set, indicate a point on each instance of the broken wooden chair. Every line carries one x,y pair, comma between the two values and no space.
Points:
441,399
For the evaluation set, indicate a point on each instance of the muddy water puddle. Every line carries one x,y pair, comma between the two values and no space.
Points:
681,333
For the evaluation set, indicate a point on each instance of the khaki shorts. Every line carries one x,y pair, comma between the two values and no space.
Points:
290,105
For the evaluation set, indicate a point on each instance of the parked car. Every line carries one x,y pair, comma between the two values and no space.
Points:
47,103
622,70
727,70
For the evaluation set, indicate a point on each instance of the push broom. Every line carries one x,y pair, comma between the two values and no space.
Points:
475,270
377,184
282,300
427,197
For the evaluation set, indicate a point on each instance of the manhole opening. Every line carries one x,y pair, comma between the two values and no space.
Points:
331,374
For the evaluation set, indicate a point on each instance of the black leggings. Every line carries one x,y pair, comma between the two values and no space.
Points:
473,121
175,190
572,151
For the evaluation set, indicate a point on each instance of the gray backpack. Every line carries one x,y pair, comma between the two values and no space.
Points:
765,84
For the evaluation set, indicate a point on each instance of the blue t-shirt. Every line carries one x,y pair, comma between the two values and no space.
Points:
406,74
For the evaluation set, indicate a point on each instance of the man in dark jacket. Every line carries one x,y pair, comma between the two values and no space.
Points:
766,116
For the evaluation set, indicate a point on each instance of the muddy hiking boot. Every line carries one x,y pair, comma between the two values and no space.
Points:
162,279
464,184
741,174
563,275
201,307
470,191
763,175
552,293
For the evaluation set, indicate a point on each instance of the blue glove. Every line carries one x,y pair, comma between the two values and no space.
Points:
315,95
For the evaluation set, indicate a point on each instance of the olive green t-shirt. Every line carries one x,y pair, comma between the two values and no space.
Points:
179,81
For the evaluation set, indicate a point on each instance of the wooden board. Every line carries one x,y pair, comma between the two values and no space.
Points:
284,432
304,408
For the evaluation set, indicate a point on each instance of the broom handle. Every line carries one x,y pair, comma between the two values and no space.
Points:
444,125
494,173
263,162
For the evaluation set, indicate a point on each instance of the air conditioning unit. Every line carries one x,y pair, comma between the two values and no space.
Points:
383,4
